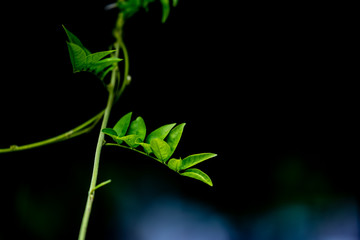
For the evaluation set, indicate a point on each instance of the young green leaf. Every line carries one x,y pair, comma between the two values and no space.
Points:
75,40
138,127
174,137
109,131
161,132
83,60
96,57
161,149
131,140
101,65
122,126
130,7
166,9
197,174
175,164
195,159
77,57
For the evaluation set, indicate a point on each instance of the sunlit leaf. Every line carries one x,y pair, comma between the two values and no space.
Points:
195,159
122,126
197,174
83,60
131,140
137,127
175,164
174,137
161,132
160,148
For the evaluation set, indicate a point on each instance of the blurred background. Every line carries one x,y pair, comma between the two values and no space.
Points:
266,86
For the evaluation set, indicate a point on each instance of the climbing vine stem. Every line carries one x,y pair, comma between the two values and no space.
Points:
79,130
113,93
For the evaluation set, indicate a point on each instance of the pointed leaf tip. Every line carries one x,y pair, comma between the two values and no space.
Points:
161,132
194,159
174,137
197,174
137,127
122,125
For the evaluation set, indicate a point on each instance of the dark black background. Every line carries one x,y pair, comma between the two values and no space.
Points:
266,86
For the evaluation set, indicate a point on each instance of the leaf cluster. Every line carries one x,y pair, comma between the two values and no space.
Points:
130,7
160,145
83,60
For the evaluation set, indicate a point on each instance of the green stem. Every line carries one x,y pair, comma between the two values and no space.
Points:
112,93
102,184
126,68
81,129
138,151
91,193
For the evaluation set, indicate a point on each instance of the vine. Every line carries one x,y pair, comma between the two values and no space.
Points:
159,144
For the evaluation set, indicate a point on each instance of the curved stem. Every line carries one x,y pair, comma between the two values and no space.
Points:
126,69
81,129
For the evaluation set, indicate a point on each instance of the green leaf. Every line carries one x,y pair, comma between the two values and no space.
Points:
122,126
130,7
137,127
197,174
83,60
77,57
195,159
75,40
103,67
166,9
109,131
161,132
102,64
95,57
161,149
131,140
174,137
175,164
